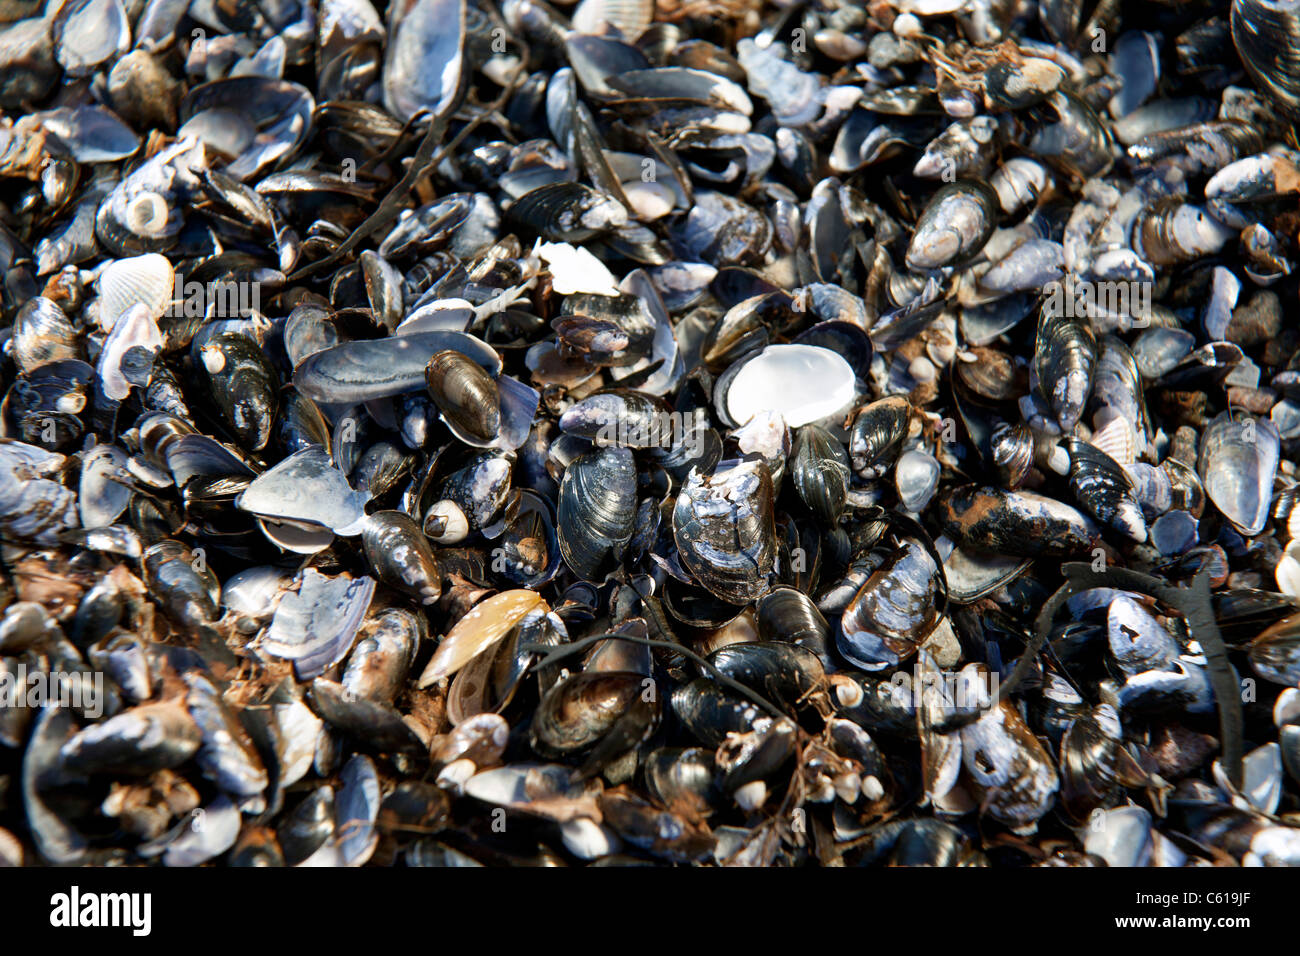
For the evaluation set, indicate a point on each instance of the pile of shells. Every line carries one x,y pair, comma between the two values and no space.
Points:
640,432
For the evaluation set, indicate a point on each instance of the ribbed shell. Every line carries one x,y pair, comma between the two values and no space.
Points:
148,280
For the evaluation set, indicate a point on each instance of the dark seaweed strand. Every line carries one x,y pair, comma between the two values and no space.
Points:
400,143
551,654
1193,603
421,164
390,205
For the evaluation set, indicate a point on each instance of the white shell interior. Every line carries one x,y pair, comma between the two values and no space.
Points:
575,269
802,383
135,327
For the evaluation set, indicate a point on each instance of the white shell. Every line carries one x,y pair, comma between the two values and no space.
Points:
803,383
1288,571
1287,709
212,831
88,33
440,315
649,200
296,538
588,840
1121,837
630,16
299,728
135,328
916,476
146,280
575,269
100,498
764,433
1262,780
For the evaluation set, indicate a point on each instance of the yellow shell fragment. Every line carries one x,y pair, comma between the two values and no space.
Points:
479,630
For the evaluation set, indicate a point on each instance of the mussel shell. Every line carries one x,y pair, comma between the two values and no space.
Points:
1011,448
581,710
621,417
465,393
1016,86
752,757
609,330
46,405
683,779
1275,653
1103,487
954,227
242,384
400,555
379,368
710,711
1006,760
300,423
56,840
280,112
306,489
371,723
1065,361
893,612
971,574
1237,464
424,57
189,588
383,288
1072,136
787,614
724,531
784,673
991,377
568,211
479,488
42,333
100,498
916,477
697,607
1263,32
529,544
821,472
597,509
227,755
1171,232
380,660
877,434
1138,641
722,230
314,627
1017,523
140,740
308,828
